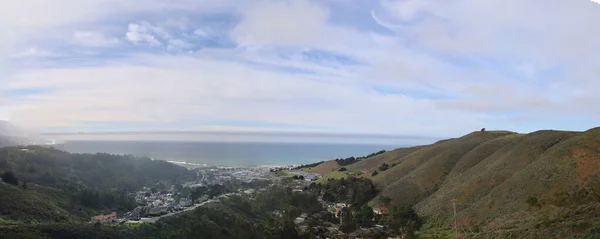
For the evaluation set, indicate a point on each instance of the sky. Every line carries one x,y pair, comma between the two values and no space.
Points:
430,68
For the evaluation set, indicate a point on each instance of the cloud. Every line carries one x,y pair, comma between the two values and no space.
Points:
33,52
426,67
217,91
293,22
138,34
94,39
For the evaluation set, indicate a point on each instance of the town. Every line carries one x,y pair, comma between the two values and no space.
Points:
215,184
167,199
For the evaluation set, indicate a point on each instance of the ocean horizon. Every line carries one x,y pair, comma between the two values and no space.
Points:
229,154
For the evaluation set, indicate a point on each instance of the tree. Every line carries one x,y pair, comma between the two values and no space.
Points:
384,167
197,193
483,130
365,215
348,222
10,178
342,169
402,220
374,173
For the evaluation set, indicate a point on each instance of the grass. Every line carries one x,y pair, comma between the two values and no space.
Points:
35,204
489,174
325,167
337,175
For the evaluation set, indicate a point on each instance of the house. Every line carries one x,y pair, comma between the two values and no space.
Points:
377,211
185,202
105,219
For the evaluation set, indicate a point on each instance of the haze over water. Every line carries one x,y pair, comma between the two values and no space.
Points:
228,153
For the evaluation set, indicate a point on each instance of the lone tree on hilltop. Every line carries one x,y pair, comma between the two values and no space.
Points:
483,130
9,177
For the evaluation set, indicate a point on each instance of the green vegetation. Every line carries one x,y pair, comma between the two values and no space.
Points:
59,187
235,217
356,191
10,178
402,220
351,160
384,167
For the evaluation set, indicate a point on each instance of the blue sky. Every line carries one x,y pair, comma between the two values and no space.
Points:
428,68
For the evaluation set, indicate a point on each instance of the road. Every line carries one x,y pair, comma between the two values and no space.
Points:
154,219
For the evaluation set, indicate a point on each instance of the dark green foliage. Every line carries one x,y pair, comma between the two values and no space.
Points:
312,165
10,178
298,177
348,222
54,168
385,199
374,173
402,220
357,191
384,167
342,169
532,202
351,160
110,199
365,215
72,187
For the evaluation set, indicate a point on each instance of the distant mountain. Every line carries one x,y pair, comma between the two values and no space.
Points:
11,135
8,129
492,176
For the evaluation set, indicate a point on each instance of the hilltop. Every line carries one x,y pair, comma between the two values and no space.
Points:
490,175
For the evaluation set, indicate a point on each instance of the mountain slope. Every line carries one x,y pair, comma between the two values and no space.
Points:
490,175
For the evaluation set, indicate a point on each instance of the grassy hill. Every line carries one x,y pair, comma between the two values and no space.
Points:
56,187
490,175
325,167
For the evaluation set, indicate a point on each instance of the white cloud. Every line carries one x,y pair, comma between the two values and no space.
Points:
183,88
33,52
139,34
200,33
440,64
178,44
294,22
94,39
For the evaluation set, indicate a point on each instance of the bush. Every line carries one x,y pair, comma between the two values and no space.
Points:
10,178
342,169
374,173
384,167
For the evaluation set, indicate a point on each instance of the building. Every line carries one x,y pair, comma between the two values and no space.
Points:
377,211
105,219
185,202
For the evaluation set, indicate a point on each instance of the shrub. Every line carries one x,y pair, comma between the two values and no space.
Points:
10,178
384,167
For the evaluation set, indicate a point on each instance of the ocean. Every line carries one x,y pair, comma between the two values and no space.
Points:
233,154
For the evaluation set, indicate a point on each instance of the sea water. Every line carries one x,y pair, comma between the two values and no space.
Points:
234,154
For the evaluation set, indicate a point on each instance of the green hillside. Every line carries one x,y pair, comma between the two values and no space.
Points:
56,187
492,176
